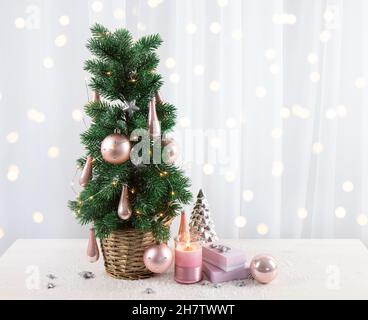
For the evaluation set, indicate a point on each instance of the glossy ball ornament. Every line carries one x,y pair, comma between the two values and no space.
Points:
158,258
115,148
264,268
170,150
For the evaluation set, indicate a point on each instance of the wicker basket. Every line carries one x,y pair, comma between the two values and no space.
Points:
123,253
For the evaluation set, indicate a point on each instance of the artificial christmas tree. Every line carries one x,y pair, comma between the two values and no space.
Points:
130,204
201,224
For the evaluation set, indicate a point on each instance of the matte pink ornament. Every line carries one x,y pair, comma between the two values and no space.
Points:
93,253
124,209
154,126
170,150
86,172
264,268
158,258
115,148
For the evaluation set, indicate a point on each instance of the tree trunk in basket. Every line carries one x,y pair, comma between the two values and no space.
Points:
123,254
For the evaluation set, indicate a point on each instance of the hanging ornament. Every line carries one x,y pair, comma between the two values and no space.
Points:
170,150
154,127
182,227
159,98
124,209
92,250
130,107
263,268
96,96
86,172
115,148
158,258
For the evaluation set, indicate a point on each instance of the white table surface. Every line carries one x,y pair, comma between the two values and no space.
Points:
308,269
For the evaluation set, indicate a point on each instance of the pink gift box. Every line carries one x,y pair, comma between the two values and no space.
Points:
227,261
216,275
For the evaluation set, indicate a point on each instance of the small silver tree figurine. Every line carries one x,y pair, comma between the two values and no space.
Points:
201,223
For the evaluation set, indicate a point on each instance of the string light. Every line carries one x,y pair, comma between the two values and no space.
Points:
172,193
114,183
163,173
108,73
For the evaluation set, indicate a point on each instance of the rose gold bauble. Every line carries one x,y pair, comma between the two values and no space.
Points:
115,148
263,268
158,258
124,209
86,172
170,150
92,250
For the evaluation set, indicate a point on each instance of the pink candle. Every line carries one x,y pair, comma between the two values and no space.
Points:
188,261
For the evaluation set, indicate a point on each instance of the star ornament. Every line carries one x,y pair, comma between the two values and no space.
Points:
130,107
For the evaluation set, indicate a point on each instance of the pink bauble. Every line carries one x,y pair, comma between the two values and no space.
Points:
170,150
115,148
263,268
158,258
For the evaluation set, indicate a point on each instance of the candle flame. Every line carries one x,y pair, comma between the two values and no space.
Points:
187,241
187,244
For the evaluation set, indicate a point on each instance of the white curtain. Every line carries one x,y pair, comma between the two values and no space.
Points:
272,110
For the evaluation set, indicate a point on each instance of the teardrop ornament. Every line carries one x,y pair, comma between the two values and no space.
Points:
153,122
159,97
86,172
93,252
124,209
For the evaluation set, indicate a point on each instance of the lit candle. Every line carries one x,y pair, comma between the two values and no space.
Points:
188,260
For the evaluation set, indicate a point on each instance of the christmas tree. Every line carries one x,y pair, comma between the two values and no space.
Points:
118,192
201,223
